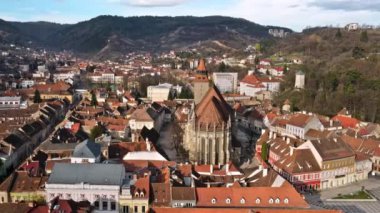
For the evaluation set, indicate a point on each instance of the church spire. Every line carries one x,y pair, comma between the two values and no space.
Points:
201,66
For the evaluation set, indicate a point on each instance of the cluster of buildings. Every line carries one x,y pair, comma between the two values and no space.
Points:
97,150
315,152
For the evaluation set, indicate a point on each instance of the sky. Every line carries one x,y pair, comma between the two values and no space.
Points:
295,14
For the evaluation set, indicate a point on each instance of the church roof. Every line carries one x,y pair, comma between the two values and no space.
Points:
212,110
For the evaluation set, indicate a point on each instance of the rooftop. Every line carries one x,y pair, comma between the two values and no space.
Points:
94,174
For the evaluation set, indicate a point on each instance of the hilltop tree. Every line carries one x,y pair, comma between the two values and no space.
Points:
37,96
94,100
364,36
338,34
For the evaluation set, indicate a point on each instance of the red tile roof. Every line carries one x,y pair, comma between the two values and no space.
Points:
347,121
252,196
241,210
141,186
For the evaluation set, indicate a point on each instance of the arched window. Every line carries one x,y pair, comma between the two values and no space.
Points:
277,200
271,200
213,201
141,194
228,200
258,200
242,201
286,200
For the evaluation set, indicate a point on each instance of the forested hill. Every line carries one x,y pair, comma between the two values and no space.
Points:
342,70
119,34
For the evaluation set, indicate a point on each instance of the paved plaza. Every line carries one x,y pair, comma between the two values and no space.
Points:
372,185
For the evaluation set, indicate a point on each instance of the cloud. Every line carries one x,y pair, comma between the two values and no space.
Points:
150,3
347,5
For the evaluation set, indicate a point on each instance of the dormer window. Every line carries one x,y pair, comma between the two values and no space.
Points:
213,201
242,201
141,194
228,200
258,200
277,201
271,200
136,194
286,200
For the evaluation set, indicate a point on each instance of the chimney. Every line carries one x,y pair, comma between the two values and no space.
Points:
227,168
148,148
211,169
291,150
331,122
265,172
274,135
270,135
283,138
287,140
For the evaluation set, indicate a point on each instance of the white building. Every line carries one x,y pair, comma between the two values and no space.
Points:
300,80
26,83
300,123
97,183
251,84
352,27
8,102
160,92
226,82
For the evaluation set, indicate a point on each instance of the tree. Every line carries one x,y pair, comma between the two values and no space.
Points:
186,93
338,34
222,67
264,151
364,36
171,95
95,132
94,100
358,53
37,96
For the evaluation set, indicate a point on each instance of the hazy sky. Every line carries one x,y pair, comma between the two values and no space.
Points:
295,14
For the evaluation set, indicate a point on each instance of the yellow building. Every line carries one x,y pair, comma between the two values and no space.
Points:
20,187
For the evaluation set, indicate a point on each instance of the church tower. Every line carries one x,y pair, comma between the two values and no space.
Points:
201,83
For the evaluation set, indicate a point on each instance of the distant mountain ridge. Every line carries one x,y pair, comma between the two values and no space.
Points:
109,34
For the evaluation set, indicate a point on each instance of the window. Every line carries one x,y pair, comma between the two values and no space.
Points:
258,200
143,208
213,201
277,201
242,201
105,205
113,205
136,209
228,200
286,200
271,200
96,204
